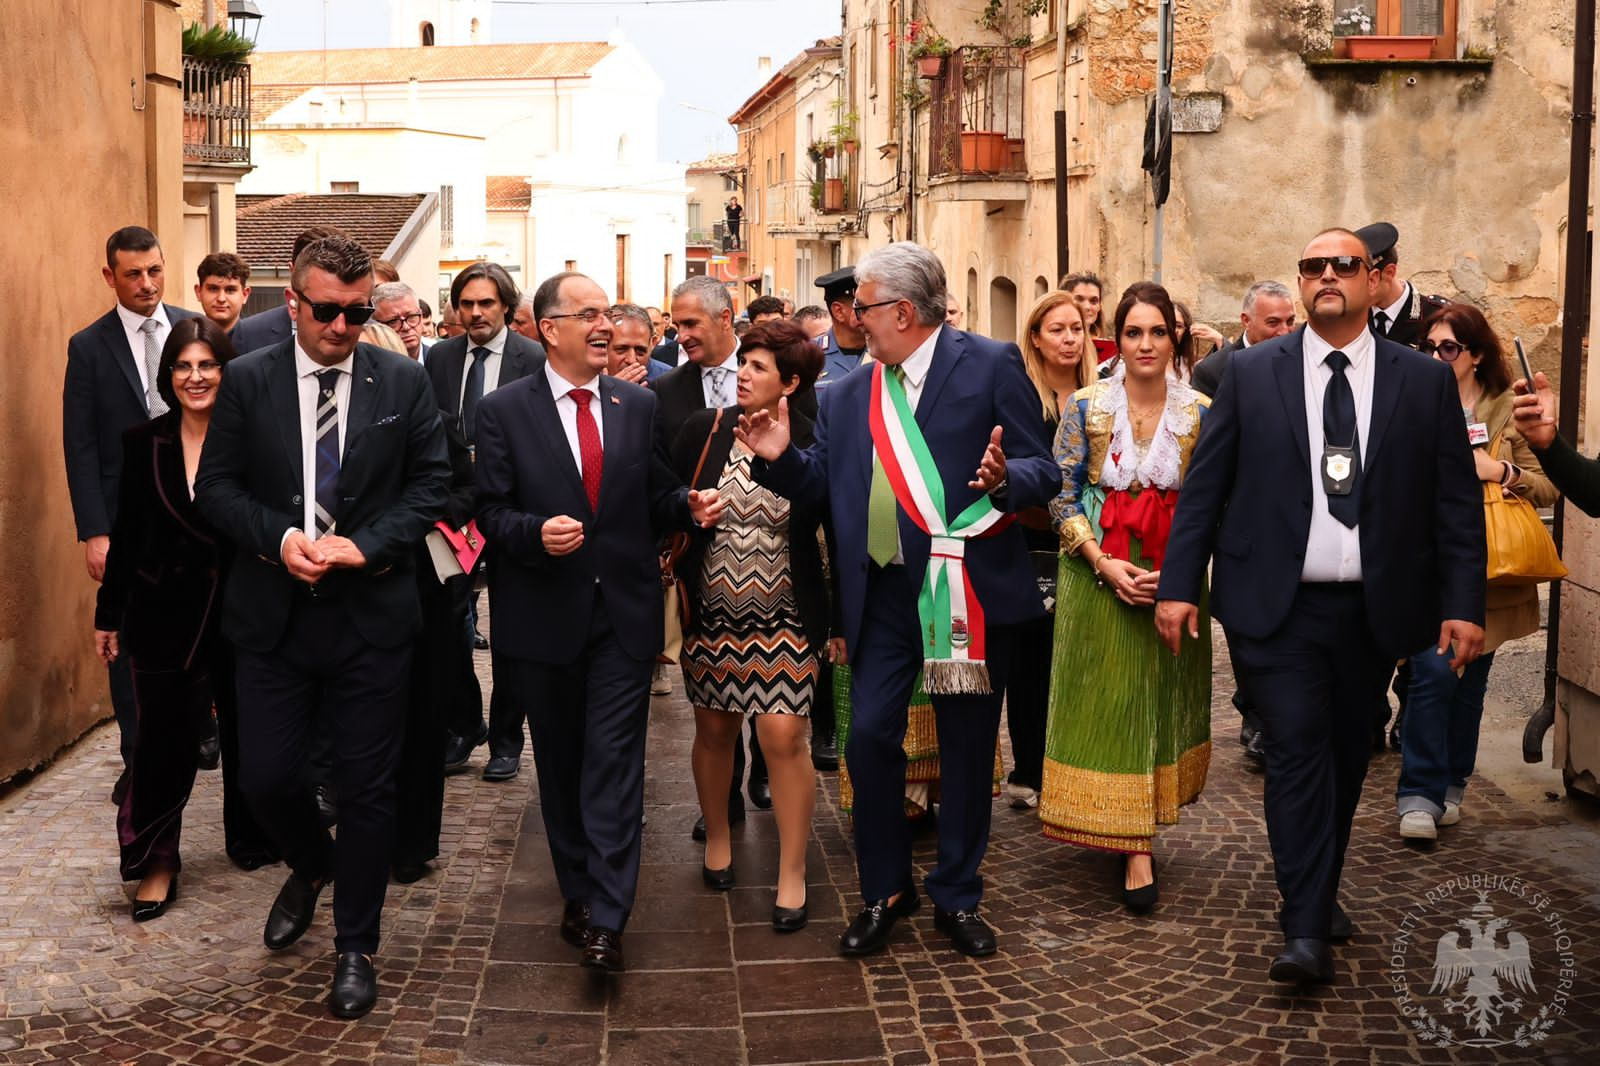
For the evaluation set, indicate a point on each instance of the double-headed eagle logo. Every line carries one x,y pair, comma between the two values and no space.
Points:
1496,969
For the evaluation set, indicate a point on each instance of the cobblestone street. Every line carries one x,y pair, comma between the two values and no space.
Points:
472,971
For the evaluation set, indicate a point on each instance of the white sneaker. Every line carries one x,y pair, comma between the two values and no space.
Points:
660,681
1452,813
1418,825
1021,797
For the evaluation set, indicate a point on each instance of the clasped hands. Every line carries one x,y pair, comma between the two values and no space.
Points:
563,534
310,560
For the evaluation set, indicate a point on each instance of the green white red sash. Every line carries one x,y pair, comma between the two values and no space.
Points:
948,608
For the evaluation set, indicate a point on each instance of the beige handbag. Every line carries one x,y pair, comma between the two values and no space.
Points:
1520,549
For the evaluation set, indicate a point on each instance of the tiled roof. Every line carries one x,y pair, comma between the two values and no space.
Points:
347,66
268,225
506,192
719,161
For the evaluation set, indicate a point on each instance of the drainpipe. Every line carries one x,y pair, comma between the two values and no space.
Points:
1062,257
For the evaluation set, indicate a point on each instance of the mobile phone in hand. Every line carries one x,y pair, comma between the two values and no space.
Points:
1522,358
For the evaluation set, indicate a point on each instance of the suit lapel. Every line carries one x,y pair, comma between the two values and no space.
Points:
365,381
284,392
613,434
947,352
454,368
1289,368
1388,377
116,342
547,423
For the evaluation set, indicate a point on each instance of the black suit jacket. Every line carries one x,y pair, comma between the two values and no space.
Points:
262,330
447,365
165,567
1407,329
682,394
100,399
392,486
1247,496
526,475
1208,374
805,556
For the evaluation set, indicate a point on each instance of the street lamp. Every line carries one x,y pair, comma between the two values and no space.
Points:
244,19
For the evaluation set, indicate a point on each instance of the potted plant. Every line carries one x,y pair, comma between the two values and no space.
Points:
833,195
218,43
816,194
983,150
819,150
928,48
843,131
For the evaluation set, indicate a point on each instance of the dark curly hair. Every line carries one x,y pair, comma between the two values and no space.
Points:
198,330
1477,336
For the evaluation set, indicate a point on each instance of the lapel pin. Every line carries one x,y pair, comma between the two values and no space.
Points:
616,401
369,381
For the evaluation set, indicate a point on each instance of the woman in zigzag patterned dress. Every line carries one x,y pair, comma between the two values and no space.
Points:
759,616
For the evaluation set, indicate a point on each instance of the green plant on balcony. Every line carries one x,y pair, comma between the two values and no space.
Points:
1009,19
218,43
820,150
843,130
816,194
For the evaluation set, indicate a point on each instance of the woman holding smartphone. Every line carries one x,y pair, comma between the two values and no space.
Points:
1439,734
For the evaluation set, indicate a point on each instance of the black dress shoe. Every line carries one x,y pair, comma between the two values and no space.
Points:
355,985
698,833
119,790
1340,927
327,805
146,909
1304,961
575,923
479,641
721,880
1246,731
824,754
209,756
870,931
1255,750
788,919
760,793
252,858
502,767
457,750
292,911
602,950
968,932
1141,900
406,873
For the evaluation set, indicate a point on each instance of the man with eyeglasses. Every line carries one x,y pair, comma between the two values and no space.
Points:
325,465
1336,497
464,369
394,304
575,498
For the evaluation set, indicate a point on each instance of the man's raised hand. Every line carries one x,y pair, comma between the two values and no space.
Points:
992,470
766,437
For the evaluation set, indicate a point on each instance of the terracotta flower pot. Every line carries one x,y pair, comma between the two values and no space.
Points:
930,66
1377,46
833,194
982,152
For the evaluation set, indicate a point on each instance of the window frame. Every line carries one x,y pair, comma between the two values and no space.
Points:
1389,21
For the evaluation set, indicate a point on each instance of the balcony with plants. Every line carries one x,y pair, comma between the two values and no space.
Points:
216,96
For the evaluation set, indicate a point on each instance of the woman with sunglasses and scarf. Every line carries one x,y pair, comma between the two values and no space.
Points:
1439,735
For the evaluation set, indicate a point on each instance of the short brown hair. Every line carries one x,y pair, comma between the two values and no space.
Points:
223,265
384,270
1478,337
312,233
792,352
339,255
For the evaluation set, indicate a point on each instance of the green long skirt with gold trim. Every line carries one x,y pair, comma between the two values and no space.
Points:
1128,740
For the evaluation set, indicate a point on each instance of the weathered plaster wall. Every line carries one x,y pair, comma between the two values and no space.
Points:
89,110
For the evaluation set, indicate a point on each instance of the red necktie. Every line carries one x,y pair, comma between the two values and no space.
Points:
589,450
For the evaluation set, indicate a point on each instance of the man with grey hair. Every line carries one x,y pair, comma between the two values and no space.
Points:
394,304
631,342
1268,312
946,605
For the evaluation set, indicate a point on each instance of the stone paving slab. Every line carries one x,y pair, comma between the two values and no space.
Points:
472,970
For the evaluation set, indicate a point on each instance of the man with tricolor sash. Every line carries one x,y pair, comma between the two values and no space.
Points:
923,462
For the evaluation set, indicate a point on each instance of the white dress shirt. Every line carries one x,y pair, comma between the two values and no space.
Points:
1396,309
1333,549
915,368
730,384
567,410
132,323
306,370
491,365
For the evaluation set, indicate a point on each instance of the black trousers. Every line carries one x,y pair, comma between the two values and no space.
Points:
463,697
437,687
125,706
1027,697
1314,683
323,672
243,837
588,718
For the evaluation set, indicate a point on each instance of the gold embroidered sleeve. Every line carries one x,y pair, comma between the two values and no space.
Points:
1075,532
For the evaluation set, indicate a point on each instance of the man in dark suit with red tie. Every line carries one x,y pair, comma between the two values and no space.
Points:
575,497
1334,494
325,465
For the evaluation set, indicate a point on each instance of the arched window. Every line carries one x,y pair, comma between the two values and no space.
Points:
971,301
1040,286
427,35
1002,309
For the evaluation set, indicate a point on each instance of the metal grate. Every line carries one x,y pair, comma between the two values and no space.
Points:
216,111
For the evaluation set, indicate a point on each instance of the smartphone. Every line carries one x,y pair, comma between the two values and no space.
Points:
1522,358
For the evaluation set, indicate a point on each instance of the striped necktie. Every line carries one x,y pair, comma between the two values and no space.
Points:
327,451
152,369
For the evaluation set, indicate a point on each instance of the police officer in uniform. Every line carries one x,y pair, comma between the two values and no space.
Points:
844,345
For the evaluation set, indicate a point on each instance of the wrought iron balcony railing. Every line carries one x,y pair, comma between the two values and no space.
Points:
216,111
975,113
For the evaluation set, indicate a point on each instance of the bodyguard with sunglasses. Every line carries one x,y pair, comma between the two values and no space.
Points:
325,464
1336,492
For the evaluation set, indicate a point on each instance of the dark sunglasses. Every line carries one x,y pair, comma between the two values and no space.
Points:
1345,266
354,314
1449,351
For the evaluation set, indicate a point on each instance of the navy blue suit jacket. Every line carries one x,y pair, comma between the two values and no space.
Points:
1247,497
526,475
262,330
973,385
100,400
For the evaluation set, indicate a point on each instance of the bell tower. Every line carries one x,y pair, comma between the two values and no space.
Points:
429,23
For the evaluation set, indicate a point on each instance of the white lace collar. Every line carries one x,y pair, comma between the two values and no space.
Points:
1161,467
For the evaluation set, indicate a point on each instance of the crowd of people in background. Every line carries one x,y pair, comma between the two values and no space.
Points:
857,530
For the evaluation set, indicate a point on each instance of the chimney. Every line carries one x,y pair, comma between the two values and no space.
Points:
764,66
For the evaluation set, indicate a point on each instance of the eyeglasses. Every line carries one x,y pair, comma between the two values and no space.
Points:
411,321
859,308
354,314
1345,266
587,316
205,369
1449,351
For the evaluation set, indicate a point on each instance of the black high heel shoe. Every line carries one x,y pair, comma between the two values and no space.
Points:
1141,900
789,919
146,909
721,880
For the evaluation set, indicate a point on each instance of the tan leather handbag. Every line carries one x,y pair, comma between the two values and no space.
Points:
1520,549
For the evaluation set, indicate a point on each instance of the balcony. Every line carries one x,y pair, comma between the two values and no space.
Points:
975,133
805,208
216,112
718,237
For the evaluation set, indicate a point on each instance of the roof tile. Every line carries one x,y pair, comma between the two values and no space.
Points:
268,225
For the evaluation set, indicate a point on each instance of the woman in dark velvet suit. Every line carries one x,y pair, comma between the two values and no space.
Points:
161,592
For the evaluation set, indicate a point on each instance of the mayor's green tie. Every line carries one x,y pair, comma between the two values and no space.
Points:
883,530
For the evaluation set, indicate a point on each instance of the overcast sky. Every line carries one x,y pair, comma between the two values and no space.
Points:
703,50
